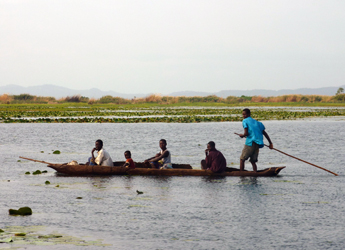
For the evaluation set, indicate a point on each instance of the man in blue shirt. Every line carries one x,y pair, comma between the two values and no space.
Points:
254,131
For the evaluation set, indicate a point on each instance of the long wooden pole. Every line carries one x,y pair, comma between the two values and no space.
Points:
303,161
299,159
36,160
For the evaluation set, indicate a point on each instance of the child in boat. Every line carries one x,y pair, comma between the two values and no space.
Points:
129,162
254,131
162,160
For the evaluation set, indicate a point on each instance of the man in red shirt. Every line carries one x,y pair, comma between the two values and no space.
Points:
214,161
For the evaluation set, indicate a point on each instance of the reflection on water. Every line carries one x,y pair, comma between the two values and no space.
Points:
287,212
248,180
213,179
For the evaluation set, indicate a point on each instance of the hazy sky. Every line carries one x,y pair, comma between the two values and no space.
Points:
162,46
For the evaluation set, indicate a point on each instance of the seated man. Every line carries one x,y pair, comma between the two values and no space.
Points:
214,160
162,159
103,158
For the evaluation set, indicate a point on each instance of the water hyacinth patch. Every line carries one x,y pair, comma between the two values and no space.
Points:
135,114
20,234
56,152
37,172
21,211
27,236
7,240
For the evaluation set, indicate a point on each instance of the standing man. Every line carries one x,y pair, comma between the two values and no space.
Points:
254,131
214,161
103,158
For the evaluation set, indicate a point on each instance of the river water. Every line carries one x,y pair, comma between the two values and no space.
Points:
302,208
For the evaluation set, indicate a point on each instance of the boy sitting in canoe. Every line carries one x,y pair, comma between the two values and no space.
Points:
129,162
214,161
103,158
254,131
161,160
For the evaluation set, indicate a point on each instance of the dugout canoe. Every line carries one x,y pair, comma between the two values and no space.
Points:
79,170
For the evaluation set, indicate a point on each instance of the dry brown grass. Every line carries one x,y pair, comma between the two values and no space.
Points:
91,101
5,98
259,99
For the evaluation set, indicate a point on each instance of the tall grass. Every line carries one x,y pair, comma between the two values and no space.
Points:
175,100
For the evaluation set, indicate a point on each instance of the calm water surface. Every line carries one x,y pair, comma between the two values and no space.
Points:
303,208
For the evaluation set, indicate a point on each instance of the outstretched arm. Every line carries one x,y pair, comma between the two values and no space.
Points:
159,156
268,139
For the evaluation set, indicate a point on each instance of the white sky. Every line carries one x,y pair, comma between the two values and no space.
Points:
162,46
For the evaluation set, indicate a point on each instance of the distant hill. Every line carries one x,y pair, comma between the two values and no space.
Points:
58,92
263,92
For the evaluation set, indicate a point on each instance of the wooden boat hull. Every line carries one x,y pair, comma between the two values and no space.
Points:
143,165
79,170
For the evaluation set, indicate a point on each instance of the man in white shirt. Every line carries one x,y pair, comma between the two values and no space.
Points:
103,158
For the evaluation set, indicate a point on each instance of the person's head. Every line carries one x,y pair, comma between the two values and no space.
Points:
163,144
211,145
128,154
99,145
246,113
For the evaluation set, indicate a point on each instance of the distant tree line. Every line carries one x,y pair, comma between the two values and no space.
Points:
339,97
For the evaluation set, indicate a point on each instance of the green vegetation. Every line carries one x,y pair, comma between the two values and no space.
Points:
21,211
28,236
171,100
191,110
20,234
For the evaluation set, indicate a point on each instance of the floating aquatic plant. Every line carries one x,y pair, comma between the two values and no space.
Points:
135,114
20,234
33,238
137,206
37,172
21,211
7,240
47,182
56,152
27,172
